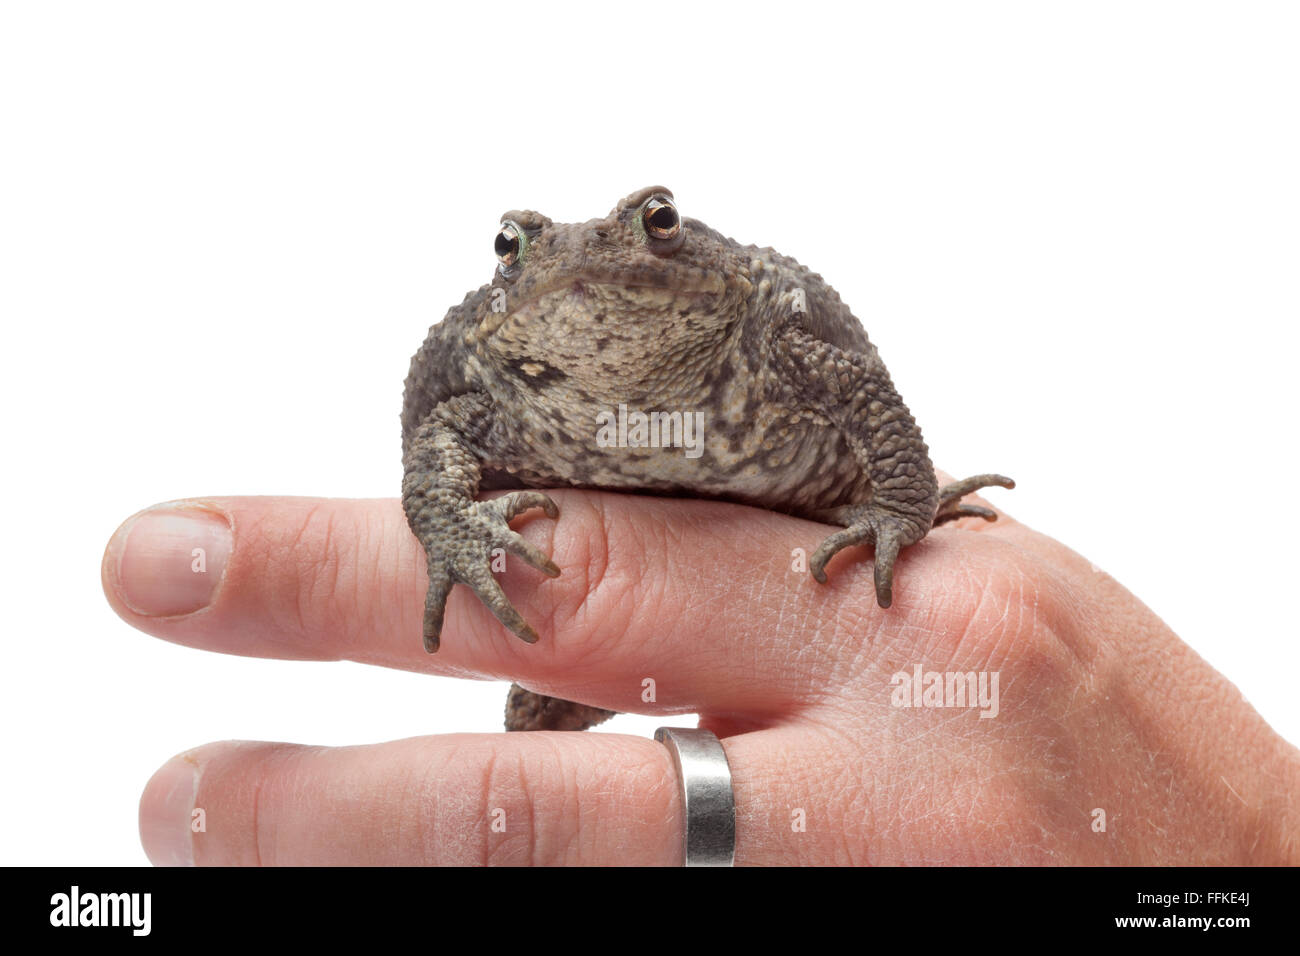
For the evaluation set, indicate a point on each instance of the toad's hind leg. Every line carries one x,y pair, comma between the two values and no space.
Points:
950,504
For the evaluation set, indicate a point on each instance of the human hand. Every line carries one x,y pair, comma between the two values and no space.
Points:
1099,705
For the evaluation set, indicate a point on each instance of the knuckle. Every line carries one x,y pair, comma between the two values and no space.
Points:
614,569
320,565
532,791
998,604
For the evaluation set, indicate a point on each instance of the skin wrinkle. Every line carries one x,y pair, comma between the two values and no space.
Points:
496,849
782,606
563,843
1011,584
1013,599
652,590
1220,696
1068,618
971,644
295,786
645,601
263,539
410,612
769,796
550,844
798,640
549,530
584,824
360,577
596,550
260,833
848,599
257,539
306,590
375,540
826,674
536,840
664,790
470,842
606,586
940,725
884,822
593,562
852,806
423,791
329,575
574,847
841,675
761,591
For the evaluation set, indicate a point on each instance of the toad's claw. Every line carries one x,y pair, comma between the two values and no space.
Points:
950,506
517,502
835,544
459,545
883,530
435,606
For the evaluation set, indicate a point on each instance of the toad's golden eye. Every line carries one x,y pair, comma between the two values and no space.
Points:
660,219
510,244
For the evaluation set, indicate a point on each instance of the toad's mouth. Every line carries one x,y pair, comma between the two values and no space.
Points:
582,286
603,293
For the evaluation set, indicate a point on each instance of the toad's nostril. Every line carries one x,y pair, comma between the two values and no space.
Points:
602,234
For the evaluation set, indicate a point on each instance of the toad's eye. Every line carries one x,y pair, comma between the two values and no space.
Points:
510,244
659,216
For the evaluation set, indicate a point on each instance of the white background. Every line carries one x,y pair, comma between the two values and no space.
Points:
224,228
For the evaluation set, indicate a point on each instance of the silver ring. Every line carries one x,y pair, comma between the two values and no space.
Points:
709,831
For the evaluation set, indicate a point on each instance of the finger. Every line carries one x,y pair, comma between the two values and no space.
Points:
664,606
512,799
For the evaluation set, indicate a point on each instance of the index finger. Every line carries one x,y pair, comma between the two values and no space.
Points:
703,596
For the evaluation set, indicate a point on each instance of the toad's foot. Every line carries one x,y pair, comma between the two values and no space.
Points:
458,542
872,525
891,532
950,506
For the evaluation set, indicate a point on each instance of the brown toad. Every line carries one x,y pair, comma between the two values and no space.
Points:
647,352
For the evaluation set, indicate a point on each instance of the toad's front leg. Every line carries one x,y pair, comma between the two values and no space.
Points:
457,532
854,391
